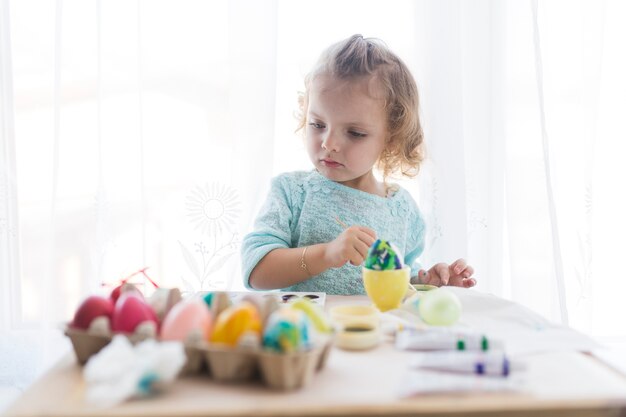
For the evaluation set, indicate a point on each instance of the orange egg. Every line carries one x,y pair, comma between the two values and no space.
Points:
233,322
184,318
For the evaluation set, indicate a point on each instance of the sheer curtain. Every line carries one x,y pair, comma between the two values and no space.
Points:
145,133
523,104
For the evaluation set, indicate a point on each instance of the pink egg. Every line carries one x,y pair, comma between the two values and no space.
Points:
92,307
130,311
186,317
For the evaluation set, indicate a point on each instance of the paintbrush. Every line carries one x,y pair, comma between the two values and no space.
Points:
342,224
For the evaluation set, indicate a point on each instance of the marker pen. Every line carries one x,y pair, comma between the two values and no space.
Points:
440,339
493,363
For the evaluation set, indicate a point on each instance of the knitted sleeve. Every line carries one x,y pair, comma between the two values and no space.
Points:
272,228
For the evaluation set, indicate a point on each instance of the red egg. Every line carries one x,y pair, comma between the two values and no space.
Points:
130,311
93,306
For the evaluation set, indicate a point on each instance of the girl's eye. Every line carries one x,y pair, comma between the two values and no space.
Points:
356,134
317,125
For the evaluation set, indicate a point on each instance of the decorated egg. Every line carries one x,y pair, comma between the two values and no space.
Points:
382,256
91,308
130,311
287,330
317,317
186,319
439,307
234,322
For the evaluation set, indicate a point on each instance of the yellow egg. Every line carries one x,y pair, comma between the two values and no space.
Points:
235,321
314,313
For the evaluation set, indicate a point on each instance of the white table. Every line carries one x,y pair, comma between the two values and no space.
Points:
555,383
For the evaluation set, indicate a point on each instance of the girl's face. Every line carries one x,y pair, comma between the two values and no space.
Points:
346,130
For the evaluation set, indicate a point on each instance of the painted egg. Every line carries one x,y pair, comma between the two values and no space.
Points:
287,330
130,311
439,307
185,319
234,322
318,318
91,308
383,256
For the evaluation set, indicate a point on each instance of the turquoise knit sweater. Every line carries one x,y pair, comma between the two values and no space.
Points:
300,210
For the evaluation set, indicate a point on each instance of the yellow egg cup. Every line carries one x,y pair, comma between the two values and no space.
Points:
386,289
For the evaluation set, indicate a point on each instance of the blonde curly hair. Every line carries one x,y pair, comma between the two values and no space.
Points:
356,57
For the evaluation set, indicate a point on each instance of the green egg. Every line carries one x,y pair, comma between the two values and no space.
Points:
439,307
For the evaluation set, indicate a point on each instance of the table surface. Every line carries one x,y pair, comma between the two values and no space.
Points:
559,382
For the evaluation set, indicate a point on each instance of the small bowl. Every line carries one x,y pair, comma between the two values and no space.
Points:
358,338
424,287
344,316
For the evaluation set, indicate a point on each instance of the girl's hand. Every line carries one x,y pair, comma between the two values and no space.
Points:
350,246
458,274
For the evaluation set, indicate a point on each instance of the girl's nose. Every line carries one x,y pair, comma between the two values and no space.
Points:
330,143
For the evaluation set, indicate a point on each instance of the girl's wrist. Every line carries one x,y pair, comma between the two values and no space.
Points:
318,258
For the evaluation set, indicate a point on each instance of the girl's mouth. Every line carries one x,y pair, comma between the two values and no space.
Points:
330,163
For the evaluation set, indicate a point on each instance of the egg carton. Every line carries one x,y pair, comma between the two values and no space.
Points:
281,371
87,343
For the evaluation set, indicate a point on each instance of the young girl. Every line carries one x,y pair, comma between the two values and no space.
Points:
359,111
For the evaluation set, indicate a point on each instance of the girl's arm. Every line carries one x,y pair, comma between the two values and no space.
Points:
282,267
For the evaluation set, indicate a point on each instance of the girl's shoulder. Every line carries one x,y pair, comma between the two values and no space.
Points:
293,186
402,205
401,202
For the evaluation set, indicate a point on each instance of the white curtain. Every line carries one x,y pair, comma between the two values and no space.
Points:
523,106
145,133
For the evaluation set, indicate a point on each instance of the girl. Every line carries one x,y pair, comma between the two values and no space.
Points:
359,111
